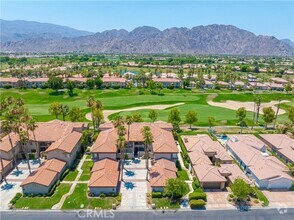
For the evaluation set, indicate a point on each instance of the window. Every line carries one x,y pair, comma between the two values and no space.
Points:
174,155
33,151
94,155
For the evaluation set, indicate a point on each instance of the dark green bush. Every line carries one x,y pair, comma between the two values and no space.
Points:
15,198
64,174
7,86
194,204
156,195
197,195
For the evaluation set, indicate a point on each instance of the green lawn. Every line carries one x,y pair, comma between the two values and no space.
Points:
166,202
38,101
79,200
71,176
86,167
43,202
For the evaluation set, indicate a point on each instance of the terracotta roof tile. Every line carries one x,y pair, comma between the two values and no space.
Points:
104,173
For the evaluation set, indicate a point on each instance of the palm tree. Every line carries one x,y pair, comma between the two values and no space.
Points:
277,112
118,121
23,139
90,104
32,125
258,103
121,145
148,140
129,121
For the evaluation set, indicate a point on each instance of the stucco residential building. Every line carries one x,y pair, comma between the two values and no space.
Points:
280,144
210,163
104,177
12,82
43,179
54,139
266,171
160,172
163,145
167,82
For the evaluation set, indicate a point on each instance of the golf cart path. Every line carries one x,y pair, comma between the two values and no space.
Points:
107,113
249,106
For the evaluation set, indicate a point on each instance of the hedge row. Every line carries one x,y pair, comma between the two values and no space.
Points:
15,198
197,195
199,203
156,195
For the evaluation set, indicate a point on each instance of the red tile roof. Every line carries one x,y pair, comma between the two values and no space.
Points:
104,173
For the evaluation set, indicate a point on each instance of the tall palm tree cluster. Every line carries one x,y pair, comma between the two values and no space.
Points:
96,108
16,119
120,124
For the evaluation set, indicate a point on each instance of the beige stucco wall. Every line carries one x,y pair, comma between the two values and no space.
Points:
105,190
34,188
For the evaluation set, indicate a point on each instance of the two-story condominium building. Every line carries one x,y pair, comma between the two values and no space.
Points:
167,82
279,80
163,145
266,171
114,81
12,82
281,144
55,139
36,82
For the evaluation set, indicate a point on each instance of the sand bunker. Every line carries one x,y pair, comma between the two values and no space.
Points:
249,106
106,113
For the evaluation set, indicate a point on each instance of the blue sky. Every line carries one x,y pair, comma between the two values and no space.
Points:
261,17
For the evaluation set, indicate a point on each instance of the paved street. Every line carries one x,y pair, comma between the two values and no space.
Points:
255,214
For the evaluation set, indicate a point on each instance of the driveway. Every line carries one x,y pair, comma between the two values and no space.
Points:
279,198
134,185
14,179
217,199
134,195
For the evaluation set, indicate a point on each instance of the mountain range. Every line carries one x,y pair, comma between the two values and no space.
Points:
22,36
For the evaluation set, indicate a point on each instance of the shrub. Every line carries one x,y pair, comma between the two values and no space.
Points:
102,195
116,86
194,204
44,86
7,86
53,188
196,183
64,174
156,195
198,190
197,195
31,156
141,92
15,198
81,86
170,86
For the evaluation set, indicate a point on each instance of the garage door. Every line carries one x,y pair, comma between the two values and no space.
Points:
214,185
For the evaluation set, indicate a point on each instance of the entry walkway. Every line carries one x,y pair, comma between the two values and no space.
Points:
73,186
134,185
